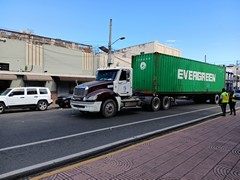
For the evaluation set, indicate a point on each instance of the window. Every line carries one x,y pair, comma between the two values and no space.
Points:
43,91
17,92
31,91
124,75
4,93
106,75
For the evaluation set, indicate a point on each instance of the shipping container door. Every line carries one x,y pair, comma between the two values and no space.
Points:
143,72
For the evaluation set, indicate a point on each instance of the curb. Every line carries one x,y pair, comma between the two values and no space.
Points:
20,173
24,172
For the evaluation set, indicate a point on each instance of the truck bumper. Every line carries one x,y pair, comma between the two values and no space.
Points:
87,106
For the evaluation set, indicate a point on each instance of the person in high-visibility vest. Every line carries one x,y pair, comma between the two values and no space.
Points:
224,98
232,103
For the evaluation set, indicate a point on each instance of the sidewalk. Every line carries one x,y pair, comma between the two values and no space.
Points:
210,150
53,106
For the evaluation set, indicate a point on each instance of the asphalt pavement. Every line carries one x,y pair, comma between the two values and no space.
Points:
208,150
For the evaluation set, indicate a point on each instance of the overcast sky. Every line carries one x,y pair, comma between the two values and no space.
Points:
196,27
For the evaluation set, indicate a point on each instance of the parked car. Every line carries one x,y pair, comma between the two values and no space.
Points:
64,101
237,93
25,97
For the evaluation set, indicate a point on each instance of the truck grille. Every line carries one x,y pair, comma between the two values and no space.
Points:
79,91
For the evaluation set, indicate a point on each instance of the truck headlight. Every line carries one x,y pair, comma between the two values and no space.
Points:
92,98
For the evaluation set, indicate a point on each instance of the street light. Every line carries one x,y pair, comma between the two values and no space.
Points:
121,38
106,50
109,49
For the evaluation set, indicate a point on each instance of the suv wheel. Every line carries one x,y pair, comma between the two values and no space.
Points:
42,105
2,107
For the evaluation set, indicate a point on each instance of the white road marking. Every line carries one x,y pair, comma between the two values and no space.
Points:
93,150
99,130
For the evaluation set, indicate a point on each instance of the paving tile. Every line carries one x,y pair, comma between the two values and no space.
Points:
210,150
235,172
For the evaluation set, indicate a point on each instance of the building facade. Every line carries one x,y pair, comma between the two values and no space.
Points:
123,57
31,60
232,77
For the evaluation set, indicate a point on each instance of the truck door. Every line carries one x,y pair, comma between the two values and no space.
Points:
125,83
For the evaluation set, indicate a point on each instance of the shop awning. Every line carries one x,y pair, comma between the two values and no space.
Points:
8,77
67,78
37,78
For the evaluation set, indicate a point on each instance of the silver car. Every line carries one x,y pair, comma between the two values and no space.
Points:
237,93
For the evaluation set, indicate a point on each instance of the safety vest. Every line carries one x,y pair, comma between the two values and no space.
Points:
225,97
234,96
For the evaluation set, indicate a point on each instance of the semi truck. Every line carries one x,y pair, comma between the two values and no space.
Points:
153,82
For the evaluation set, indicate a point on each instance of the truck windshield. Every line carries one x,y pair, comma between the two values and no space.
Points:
106,75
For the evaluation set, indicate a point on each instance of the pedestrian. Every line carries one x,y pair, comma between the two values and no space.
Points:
232,103
224,101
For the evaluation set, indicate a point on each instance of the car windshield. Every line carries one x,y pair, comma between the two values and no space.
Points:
4,93
106,75
237,91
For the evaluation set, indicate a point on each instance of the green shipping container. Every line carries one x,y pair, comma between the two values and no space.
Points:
160,73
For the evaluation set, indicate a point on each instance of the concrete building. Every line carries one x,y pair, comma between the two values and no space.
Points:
31,60
123,56
233,74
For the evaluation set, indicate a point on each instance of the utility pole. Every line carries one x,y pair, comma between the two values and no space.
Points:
110,45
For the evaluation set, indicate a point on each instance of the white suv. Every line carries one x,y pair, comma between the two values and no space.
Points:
25,97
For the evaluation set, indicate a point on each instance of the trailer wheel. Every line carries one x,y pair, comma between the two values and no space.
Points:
214,99
166,102
109,108
155,104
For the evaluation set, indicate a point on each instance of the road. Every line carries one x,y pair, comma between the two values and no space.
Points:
33,140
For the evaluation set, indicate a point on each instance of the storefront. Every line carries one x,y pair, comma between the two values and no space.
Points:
58,84
66,84
36,80
6,80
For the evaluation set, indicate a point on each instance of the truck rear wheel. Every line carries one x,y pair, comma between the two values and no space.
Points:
214,99
109,108
166,102
155,104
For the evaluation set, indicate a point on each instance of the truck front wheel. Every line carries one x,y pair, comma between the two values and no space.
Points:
109,108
